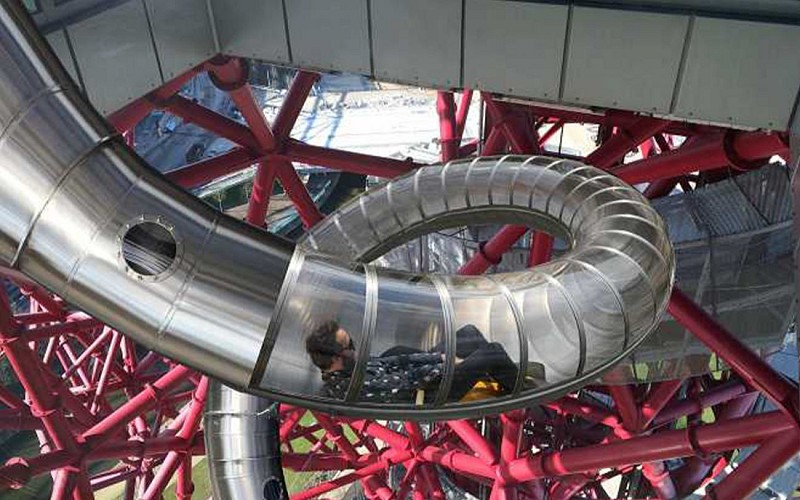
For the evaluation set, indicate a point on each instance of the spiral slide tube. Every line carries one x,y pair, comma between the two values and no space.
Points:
562,323
83,215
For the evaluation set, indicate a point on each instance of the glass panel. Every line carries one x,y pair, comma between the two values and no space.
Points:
429,191
487,340
550,329
599,309
406,364
325,291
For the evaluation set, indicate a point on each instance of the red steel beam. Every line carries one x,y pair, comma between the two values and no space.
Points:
448,129
126,118
263,183
756,468
199,173
693,405
659,396
230,75
474,440
694,471
555,127
211,121
754,371
739,150
625,402
141,403
174,458
491,252
503,119
346,161
541,248
293,103
296,190
614,150
720,436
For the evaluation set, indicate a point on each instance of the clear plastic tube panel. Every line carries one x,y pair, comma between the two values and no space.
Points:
561,324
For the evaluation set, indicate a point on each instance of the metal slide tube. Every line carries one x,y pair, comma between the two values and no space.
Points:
570,318
84,216
70,191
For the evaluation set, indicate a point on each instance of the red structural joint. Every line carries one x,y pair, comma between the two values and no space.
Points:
228,73
716,150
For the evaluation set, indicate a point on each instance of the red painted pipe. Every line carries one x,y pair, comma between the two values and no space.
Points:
293,103
660,395
346,161
694,471
491,252
446,109
174,459
541,249
614,150
555,127
142,402
199,173
127,117
625,403
503,119
211,121
665,445
740,150
230,74
474,440
495,143
660,188
263,183
44,332
296,190
753,370
692,405
757,468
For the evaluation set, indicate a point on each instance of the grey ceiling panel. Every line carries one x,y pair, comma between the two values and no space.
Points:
115,54
624,59
252,28
741,72
417,41
514,47
58,41
329,34
182,33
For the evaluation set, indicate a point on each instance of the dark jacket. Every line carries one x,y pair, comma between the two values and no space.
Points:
390,379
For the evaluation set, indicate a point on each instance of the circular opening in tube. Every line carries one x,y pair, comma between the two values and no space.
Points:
273,489
149,249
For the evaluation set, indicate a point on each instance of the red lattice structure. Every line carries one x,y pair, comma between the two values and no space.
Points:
92,397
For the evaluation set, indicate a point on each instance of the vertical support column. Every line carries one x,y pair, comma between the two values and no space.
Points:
446,109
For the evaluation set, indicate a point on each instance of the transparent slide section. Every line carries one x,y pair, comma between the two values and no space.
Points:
437,346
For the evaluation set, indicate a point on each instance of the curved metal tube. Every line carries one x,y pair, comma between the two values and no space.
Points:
84,216
70,188
570,319
243,445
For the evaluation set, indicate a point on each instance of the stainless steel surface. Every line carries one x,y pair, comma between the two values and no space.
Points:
241,433
71,187
579,314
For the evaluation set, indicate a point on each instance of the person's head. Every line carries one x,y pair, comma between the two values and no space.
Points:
331,347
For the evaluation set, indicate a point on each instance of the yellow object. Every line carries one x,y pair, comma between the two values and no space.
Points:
482,390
